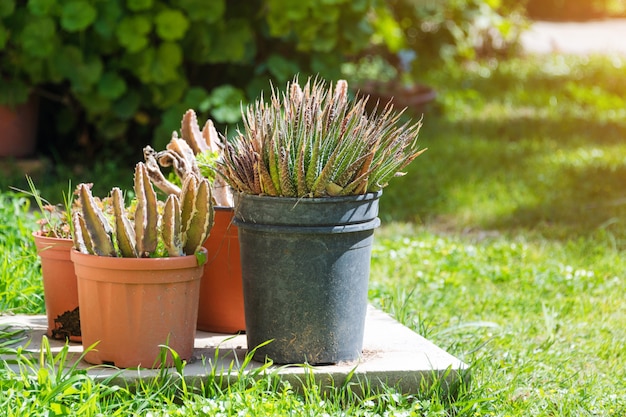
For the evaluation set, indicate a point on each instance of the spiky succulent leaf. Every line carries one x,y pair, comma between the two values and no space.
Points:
98,228
188,203
146,214
124,231
171,228
201,220
82,242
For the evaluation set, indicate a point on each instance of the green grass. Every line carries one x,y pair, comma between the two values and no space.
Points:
21,289
504,245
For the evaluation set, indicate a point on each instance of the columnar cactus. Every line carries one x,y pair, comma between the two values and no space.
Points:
182,228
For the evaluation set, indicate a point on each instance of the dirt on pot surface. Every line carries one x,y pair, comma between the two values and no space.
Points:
67,324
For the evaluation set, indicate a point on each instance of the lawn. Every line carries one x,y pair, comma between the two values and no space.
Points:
503,244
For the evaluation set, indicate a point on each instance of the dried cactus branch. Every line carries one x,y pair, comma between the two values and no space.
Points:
155,174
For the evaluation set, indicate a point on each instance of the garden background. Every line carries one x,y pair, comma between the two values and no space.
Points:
503,244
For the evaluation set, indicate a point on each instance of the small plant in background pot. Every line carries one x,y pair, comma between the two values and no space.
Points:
308,169
54,243
139,271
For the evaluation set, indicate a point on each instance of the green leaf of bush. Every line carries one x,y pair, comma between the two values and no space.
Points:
197,98
98,105
4,36
126,107
226,102
138,5
282,68
171,24
168,58
13,92
109,15
167,95
133,31
37,37
231,42
7,7
87,74
111,85
77,15
64,62
202,10
41,7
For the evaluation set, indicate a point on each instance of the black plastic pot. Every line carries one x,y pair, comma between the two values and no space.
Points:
305,270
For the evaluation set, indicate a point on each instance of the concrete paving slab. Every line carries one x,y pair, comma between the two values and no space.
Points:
393,355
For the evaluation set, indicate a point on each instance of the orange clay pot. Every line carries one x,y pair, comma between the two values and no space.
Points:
221,290
131,306
59,286
19,129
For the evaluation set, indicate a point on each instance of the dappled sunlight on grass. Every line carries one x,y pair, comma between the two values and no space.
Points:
536,145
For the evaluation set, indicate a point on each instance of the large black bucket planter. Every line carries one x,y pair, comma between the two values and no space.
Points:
305,270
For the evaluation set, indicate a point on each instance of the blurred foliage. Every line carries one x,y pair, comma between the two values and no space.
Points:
114,75
440,32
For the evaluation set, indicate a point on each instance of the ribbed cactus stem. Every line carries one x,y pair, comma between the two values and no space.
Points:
146,215
82,243
171,227
97,227
124,232
188,202
201,220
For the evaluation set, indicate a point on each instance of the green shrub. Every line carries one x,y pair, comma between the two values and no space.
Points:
447,31
114,75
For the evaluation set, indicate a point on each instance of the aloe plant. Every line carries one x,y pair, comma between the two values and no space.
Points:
316,142
178,228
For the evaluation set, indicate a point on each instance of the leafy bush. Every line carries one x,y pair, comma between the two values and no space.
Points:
427,34
116,74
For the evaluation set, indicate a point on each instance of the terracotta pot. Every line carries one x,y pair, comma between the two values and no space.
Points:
59,286
131,306
221,290
19,129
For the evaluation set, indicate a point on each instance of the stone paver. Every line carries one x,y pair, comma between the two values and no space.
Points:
393,355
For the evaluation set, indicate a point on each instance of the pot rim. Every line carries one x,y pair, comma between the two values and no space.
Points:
37,234
118,263
316,200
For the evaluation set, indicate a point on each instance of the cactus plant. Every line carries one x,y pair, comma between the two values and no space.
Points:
196,152
180,230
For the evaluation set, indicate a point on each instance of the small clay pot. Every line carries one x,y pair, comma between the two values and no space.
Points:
59,286
130,307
